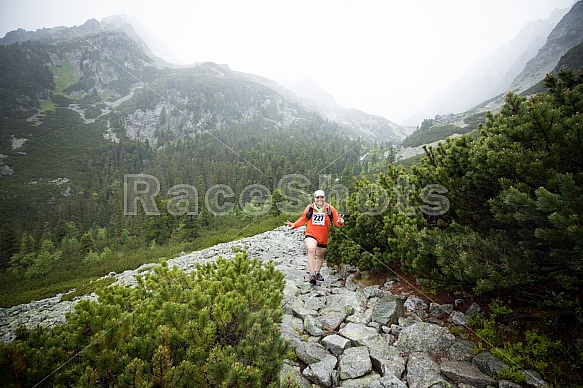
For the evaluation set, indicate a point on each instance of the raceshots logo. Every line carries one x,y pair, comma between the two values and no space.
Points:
140,191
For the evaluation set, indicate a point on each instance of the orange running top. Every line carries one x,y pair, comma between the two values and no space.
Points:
318,226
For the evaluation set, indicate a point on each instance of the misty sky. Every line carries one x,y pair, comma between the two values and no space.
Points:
385,57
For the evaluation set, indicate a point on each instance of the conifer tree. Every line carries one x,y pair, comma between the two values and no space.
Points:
44,261
87,244
26,253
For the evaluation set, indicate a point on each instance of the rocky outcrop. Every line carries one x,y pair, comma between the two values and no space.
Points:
343,334
5,171
566,35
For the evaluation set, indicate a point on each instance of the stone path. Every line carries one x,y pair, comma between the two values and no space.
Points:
344,335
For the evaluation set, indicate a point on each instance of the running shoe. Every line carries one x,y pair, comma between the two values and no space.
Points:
319,277
313,279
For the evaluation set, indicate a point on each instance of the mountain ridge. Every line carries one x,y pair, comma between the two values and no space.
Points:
357,123
566,35
495,73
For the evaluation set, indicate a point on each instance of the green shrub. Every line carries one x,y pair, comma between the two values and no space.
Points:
217,326
537,352
524,349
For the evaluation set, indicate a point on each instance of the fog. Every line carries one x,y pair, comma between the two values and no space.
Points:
384,57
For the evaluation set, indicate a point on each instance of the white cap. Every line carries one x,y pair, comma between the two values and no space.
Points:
319,193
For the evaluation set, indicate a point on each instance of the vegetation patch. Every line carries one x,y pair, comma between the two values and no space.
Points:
65,75
217,326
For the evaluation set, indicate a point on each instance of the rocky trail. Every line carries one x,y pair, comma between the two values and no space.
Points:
345,334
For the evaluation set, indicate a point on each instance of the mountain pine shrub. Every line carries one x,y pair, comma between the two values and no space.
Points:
217,326
517,190
516,195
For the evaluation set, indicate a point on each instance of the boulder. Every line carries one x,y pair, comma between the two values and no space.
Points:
388,310
425,337
466,373
321,372
354,362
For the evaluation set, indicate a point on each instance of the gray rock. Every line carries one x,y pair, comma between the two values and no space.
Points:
435,321
289,303
380,351
462,351
313,326
364,381
331,321
458,318
423,371
488,363
435,310
346,302
349,284
311,353
393,364
406,321
302,312
291,327
388,381
508,384
425,337
336,344
395,330
533,379
359,317
375,292
314,302
387,310
473,309
467,373
290,376
354,362
448,308
321,372
358,333
415,303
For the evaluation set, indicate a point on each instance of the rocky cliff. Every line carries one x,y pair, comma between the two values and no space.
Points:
567,34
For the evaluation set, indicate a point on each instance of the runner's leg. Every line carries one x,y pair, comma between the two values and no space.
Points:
320,252
311,244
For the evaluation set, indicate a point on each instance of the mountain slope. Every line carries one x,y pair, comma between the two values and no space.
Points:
373,127
494,75
566,35
80,111
356,123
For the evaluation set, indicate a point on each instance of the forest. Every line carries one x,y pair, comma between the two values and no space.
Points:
63,220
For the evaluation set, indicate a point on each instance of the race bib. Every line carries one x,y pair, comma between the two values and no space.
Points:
319,219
